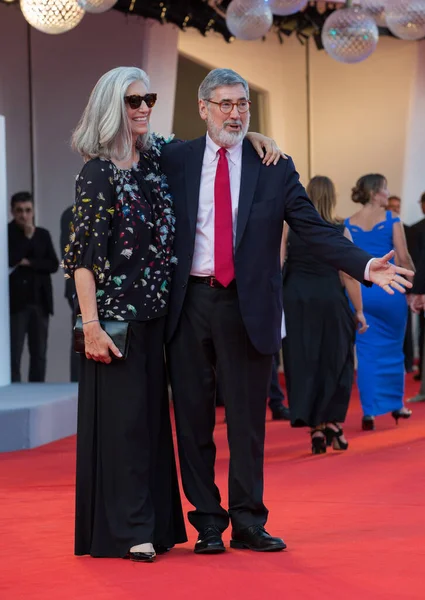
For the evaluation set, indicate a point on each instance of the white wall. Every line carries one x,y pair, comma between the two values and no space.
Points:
359,117
414,163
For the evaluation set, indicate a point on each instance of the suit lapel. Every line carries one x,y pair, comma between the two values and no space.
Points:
250,171
193,169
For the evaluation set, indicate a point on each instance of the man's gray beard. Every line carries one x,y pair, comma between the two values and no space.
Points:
224,138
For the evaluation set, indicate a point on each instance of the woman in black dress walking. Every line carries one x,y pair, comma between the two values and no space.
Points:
318,350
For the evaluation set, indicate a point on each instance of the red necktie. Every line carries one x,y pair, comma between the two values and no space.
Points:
224,268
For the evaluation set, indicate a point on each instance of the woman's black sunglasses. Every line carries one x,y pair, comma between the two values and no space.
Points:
135,101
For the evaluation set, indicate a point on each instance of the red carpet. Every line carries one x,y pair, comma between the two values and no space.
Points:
354,524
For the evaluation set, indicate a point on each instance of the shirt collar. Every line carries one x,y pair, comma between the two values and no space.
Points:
234,153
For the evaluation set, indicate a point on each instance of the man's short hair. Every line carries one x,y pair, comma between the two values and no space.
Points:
423,197
394,198
218,78
21,197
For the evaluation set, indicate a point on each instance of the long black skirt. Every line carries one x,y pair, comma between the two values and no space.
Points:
126,490
318,350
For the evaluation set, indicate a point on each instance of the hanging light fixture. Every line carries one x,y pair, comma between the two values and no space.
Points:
350,34
52,16
375,8
283,8
96,6
406,18
249,19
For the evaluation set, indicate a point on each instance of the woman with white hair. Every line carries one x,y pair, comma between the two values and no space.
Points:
121,258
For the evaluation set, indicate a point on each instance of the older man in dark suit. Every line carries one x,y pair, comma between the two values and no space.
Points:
226,303
415,241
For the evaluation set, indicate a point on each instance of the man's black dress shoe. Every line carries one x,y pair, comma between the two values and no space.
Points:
281,413
209,541
256,538
140,556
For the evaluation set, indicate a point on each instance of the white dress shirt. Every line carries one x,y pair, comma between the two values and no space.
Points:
203,255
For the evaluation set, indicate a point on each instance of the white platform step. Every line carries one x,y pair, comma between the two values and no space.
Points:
33,414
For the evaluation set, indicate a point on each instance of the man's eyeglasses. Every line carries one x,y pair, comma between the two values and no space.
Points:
226,106
136,100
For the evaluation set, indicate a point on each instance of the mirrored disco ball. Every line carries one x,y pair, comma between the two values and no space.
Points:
350,35
286,7
406,18
375,8
52,16
249,19
96,6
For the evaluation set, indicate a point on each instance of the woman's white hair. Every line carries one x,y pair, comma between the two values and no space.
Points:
104,129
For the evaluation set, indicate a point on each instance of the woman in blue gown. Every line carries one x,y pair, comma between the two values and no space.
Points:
380,350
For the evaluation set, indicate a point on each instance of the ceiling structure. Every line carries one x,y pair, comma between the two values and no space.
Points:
209,15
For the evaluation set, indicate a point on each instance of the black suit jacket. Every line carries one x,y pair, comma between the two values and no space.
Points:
43,261
65,223
415,239
268,196
419,280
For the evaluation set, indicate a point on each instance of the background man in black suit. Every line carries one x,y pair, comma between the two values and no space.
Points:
417,303
226,303
415,242
32,259
66,219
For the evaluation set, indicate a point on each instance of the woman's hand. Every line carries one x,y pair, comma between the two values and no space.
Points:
362,325
266,148
98,344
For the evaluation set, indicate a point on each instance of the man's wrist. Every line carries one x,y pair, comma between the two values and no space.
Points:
367,269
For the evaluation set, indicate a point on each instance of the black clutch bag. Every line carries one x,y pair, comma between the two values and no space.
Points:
118,331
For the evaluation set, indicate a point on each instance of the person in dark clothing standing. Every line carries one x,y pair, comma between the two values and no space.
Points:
32,259
65,223
415,244
416,300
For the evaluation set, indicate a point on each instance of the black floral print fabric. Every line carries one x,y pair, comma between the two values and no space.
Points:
123,231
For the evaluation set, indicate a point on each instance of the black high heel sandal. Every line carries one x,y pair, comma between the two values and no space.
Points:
400,414
333,438
318,443
368,424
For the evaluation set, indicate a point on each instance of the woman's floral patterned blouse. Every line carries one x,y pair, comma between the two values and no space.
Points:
123,231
